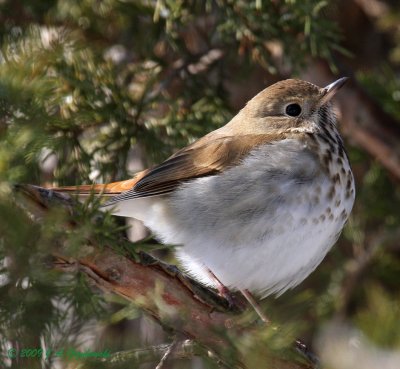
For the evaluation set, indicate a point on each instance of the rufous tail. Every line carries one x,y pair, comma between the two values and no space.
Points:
107,189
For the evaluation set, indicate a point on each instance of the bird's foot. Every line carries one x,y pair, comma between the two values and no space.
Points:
233,302
230,297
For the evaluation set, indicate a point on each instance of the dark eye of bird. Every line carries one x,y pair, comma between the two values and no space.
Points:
293,110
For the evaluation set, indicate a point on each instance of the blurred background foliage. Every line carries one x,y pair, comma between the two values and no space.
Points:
94,90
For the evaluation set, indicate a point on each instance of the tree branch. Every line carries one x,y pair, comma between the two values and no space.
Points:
177,302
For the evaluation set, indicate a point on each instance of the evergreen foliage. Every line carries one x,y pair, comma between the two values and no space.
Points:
86,85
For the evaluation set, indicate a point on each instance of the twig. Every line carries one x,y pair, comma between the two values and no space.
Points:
171,348
183,350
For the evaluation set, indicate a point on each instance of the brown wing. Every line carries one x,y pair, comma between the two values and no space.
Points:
208,156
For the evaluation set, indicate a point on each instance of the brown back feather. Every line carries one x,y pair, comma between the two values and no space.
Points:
205,157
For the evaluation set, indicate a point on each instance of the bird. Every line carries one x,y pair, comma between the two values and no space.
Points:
255,205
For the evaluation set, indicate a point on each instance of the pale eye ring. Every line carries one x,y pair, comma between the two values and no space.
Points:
293,110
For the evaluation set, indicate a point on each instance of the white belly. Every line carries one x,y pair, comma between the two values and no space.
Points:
266,235
270,254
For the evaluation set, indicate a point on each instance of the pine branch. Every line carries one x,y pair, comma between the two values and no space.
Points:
178,303
186,349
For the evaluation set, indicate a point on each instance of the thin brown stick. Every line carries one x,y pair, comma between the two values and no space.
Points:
168,353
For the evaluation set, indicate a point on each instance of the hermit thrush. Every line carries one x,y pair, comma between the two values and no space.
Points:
258,202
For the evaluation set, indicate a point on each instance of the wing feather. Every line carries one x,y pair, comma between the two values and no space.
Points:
205,157
208,156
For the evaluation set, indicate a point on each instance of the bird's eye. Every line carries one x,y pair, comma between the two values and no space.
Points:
293,110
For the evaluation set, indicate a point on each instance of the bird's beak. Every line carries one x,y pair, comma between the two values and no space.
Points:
330,90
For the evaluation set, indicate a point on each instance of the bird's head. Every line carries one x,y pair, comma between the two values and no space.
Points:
290,105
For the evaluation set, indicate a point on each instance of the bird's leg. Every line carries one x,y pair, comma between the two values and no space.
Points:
225,293
249,297
222,289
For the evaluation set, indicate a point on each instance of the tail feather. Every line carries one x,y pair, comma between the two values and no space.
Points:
108,189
